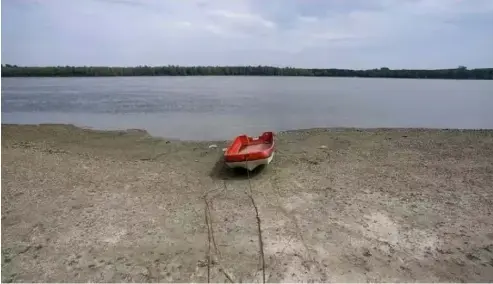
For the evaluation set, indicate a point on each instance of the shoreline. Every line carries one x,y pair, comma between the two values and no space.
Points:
336,205
253,76
144,132
268,71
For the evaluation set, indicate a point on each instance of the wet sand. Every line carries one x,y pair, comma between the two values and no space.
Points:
337,205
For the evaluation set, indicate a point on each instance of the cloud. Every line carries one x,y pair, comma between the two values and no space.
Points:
307,19
313,33
245,18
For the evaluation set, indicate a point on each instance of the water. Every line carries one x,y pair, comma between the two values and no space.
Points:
223,107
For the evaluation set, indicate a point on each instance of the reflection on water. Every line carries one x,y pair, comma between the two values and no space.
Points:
222,107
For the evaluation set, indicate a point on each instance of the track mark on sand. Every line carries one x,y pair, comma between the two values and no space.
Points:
286,211
211,238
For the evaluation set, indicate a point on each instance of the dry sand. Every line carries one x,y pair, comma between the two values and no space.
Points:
336,205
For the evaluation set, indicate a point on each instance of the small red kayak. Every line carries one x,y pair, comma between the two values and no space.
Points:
250,152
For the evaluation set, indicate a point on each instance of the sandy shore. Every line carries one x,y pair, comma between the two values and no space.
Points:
335,205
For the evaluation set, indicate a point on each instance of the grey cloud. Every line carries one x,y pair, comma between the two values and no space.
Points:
315,33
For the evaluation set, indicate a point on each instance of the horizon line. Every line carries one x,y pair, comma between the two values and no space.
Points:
8,65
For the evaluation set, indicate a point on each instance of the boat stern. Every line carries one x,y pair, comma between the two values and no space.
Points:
251,165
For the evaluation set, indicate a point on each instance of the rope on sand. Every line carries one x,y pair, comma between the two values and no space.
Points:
260,241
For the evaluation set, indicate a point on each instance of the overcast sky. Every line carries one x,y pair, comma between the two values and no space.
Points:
303,33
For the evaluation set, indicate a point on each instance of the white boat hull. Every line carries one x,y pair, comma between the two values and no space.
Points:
251,165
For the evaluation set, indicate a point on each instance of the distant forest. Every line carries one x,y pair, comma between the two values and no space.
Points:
88,71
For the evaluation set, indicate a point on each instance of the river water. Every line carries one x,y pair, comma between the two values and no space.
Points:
199,108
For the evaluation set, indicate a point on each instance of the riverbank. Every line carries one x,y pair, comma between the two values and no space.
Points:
336,205
99,71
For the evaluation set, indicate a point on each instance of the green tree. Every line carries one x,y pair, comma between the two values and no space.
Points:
9,70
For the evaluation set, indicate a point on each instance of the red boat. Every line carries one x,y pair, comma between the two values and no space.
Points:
250,152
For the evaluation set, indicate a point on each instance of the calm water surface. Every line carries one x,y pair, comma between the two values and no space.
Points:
222,107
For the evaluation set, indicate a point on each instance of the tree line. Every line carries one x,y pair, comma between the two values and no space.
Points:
95,71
